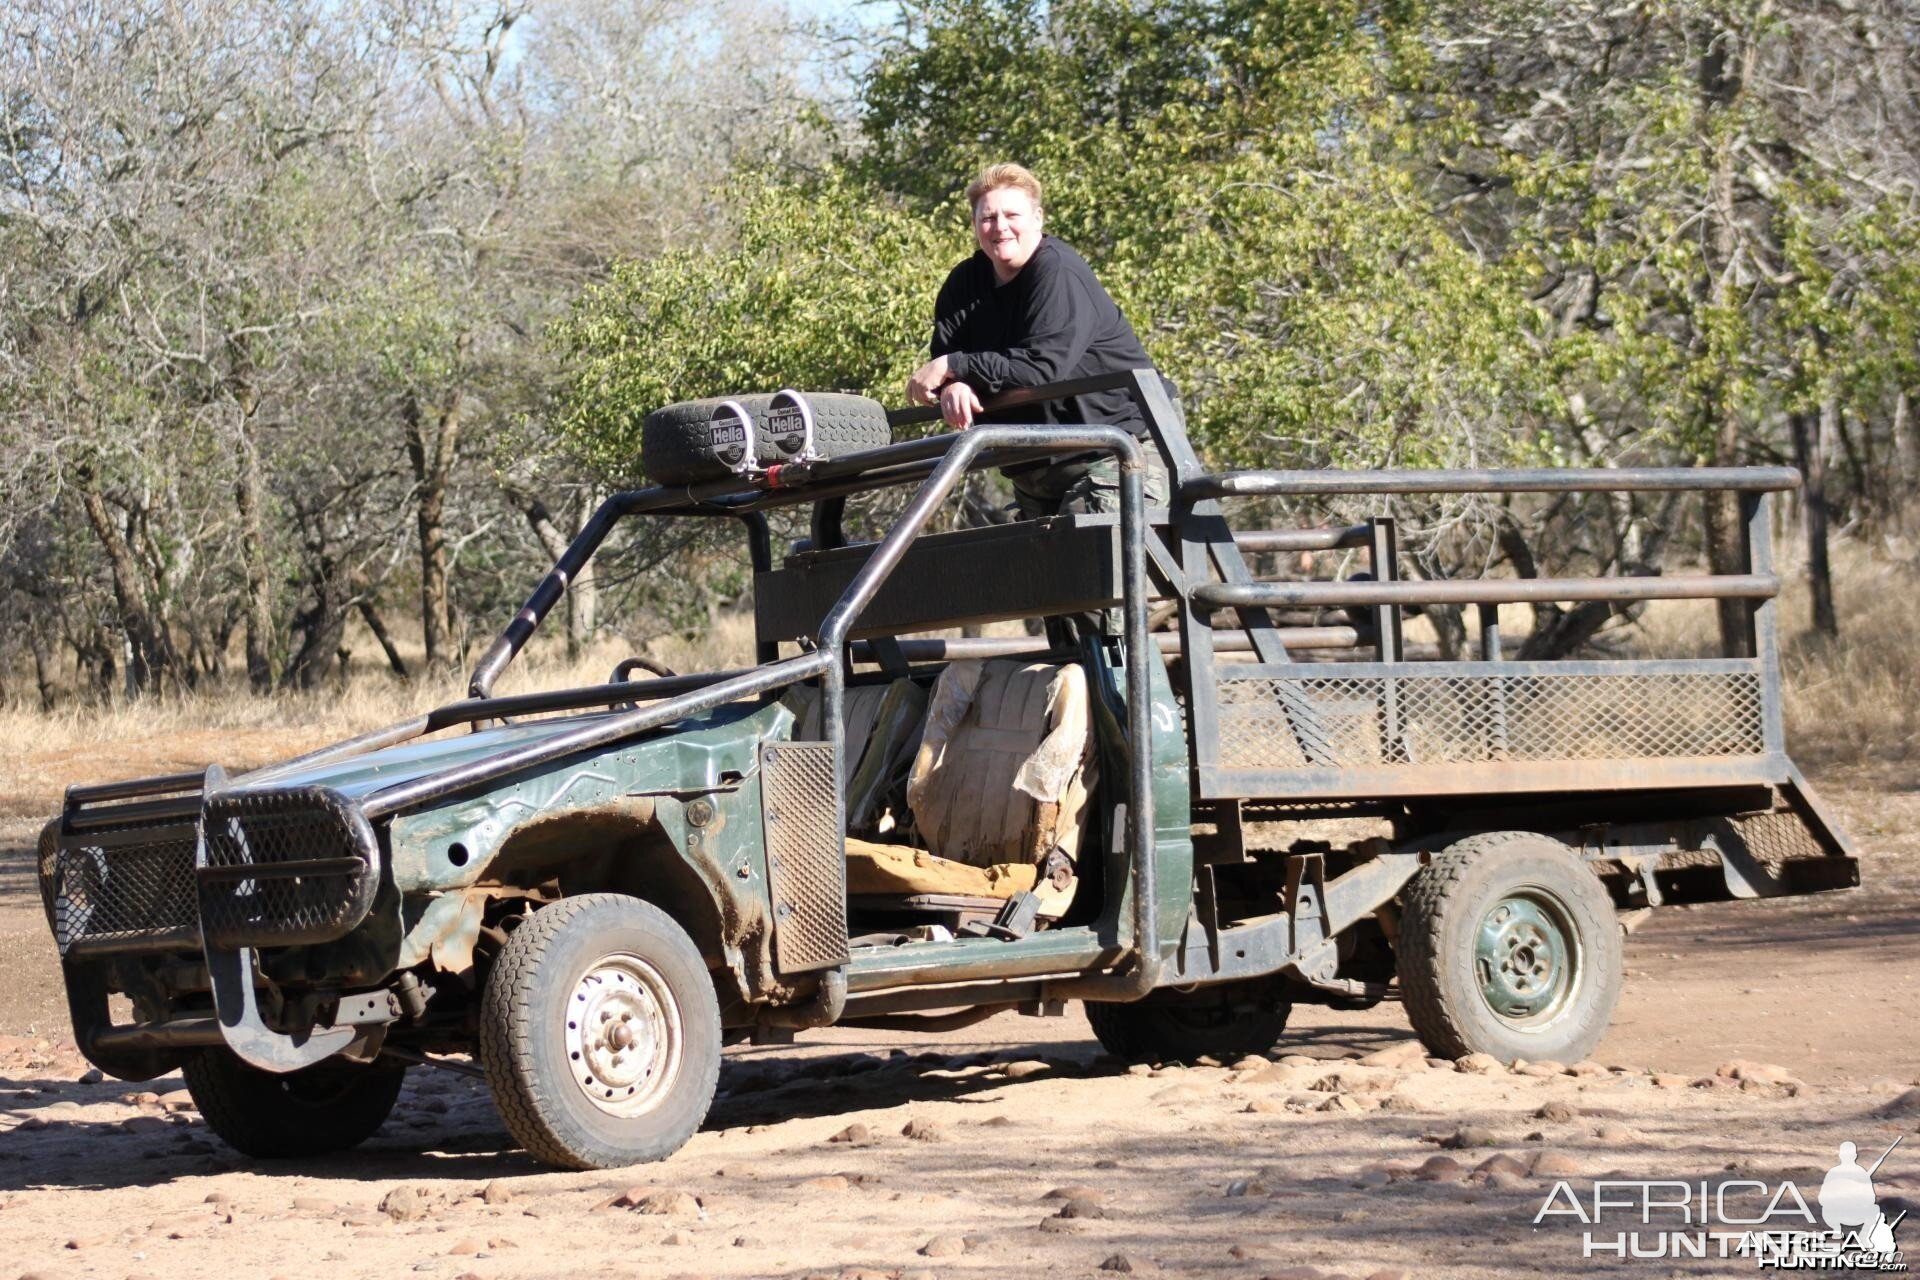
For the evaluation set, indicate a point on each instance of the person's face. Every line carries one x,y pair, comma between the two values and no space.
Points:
1007,226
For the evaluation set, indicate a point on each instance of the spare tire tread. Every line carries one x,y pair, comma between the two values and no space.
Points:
676,442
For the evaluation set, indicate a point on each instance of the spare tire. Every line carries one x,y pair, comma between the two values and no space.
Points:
677,443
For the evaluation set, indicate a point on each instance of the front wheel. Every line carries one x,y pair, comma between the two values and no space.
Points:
600,1034
329,1106
1509,946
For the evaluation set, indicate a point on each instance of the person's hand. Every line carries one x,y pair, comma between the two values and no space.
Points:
959,405
924,386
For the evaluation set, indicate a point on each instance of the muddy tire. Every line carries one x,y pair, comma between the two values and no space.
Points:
676,443
1227,1021
1509,946
600,1034
331,1106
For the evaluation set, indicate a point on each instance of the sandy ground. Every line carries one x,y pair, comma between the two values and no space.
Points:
1015,1149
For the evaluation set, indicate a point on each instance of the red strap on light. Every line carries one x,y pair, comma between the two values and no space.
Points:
773,476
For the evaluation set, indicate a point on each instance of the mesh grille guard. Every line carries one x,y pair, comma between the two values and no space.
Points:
284,868
119,887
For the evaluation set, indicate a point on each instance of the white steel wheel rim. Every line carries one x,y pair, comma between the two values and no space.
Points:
623,1035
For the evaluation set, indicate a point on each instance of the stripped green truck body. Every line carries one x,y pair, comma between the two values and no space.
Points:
350,905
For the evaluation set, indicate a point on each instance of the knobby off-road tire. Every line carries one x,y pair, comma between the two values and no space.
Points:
676,443
1178,1026
330,1106
600,1034
1510,946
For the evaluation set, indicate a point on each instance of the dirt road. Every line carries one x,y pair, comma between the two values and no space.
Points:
1014,1149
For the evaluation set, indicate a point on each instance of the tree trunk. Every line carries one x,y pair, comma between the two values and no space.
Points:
1519,553
1724,70
321,626
371,617
150,657
253,558
432,438
1810,457
1906,453
93,653
43,668
582,597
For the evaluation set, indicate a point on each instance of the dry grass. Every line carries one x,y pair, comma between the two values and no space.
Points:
1848,701
98,742
1855,699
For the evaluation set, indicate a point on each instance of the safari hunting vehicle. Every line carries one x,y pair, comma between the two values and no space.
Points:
1191,827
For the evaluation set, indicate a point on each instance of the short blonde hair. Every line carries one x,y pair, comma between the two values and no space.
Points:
996,176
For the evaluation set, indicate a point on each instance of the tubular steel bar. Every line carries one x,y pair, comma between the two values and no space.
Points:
127,790
597,733
743,497
1749,586
177,1034
1020,396
945,650
1301,539
961,453
1756,510
957,455
592,695
1247,484
1168,642
139,811
685,502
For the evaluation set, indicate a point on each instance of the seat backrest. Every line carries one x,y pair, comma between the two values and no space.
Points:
882,724
1005,763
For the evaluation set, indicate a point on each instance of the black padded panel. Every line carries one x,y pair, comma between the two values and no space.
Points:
1032,568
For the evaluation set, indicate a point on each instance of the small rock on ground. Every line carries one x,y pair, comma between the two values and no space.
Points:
1407,1053
401,1204
670,1204
1470,1135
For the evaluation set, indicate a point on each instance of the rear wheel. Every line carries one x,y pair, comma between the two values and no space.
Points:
600,1034
330,1106
1223,1021
1509,946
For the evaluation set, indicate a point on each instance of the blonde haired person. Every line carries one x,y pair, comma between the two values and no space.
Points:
1023,310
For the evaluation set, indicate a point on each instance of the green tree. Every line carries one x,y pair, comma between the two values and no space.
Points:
1236,173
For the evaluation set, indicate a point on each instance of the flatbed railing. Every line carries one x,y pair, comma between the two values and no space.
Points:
1283,729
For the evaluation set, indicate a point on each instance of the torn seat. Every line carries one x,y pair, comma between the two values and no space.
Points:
998,791
882,723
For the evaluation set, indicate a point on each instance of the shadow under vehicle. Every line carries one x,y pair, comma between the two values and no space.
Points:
1191,824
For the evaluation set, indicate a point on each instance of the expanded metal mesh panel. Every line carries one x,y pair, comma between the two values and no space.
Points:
1354,721
1776,838
806,855
285,867
49,855
112,892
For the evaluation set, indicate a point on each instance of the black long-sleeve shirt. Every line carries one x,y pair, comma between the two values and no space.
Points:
1051,323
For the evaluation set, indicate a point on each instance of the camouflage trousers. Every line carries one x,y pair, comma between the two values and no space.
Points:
1082,487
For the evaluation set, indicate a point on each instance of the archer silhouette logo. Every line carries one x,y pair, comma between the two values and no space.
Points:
1772,1223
